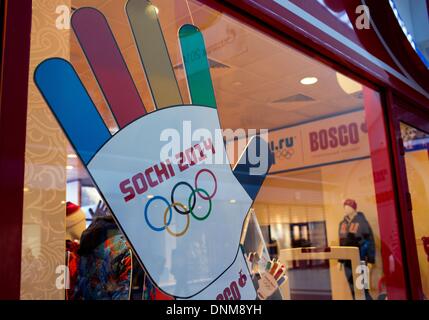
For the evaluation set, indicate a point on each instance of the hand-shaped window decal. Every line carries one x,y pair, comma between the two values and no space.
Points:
194,258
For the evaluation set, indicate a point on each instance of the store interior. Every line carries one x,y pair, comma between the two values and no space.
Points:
261,83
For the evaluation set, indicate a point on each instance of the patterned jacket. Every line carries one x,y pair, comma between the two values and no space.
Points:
105,264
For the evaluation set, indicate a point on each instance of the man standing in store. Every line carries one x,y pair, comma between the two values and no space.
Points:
355,231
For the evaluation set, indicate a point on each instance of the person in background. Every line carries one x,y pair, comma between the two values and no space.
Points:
105,261
355,231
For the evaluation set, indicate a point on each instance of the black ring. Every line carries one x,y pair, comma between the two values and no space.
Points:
173,201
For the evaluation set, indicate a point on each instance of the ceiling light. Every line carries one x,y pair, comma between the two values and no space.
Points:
71,156
232,201
348,85
150,196
69,167
309,81
26,189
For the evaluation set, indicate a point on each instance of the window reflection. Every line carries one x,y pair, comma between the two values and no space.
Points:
316,213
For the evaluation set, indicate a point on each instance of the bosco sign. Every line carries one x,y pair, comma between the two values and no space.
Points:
334,137
343,137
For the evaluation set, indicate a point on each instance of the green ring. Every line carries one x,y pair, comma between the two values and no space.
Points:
190,207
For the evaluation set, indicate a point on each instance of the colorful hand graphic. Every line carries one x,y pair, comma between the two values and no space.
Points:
175,211
271,275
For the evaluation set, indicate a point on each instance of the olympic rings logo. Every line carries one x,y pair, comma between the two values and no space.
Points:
285,153
180,208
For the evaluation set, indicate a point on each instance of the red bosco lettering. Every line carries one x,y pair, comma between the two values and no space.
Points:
334,137
154,175
233,291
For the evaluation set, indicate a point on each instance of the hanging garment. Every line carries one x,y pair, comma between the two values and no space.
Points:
105,265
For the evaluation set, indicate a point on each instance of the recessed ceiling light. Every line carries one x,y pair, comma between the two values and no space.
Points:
71,156
69,167
150,196
232,201
309,80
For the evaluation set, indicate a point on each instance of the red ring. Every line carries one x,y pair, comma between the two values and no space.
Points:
196,184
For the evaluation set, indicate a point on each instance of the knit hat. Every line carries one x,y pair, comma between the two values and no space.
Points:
75,221
351,203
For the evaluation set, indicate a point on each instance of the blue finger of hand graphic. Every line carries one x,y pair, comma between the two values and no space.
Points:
197,67
253,166
72,106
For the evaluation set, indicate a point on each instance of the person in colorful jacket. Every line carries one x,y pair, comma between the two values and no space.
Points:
105,264
355,231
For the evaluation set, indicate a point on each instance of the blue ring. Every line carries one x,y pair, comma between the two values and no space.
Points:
146,216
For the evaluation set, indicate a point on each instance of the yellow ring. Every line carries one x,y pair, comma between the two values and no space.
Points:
188,220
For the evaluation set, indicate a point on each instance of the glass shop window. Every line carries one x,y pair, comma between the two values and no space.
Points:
314,225
416,146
